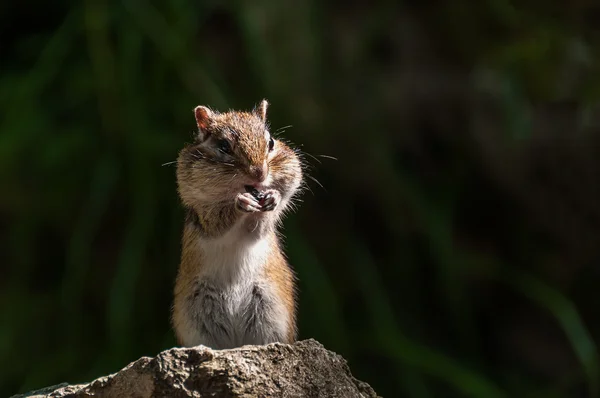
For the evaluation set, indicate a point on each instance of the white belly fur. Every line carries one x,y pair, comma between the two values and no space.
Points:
234,266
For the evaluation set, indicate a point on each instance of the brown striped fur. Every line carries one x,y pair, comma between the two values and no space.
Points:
209,184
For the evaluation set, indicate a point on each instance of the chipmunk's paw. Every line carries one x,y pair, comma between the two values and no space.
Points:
270,200
247,203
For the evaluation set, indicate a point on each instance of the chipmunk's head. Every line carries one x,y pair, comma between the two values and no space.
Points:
232,153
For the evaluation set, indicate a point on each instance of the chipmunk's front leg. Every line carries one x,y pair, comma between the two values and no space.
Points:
271,199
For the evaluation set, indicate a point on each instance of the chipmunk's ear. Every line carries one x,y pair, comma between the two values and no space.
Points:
203,117
261,110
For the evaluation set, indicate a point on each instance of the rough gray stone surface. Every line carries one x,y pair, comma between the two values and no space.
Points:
304,369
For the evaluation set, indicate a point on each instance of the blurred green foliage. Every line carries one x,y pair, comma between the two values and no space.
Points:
452,252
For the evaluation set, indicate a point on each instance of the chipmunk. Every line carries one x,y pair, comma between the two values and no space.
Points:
234,285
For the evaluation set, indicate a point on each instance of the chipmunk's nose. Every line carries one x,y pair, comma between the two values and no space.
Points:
259,172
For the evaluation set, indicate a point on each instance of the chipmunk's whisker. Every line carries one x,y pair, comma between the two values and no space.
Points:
309,189
315,180
327,157
283,128
306,153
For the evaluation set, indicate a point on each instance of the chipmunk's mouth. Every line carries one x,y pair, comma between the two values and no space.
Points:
258,194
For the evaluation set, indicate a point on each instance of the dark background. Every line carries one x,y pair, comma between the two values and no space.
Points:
453,251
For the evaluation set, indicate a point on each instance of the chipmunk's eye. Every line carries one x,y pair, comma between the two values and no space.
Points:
271,143
224,146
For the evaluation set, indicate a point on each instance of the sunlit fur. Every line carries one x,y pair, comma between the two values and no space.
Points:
209,180
229,254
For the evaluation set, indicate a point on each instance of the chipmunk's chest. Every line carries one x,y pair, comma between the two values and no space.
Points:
232,302
224,311
230,275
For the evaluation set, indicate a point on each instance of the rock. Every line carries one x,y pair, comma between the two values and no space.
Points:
304,369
